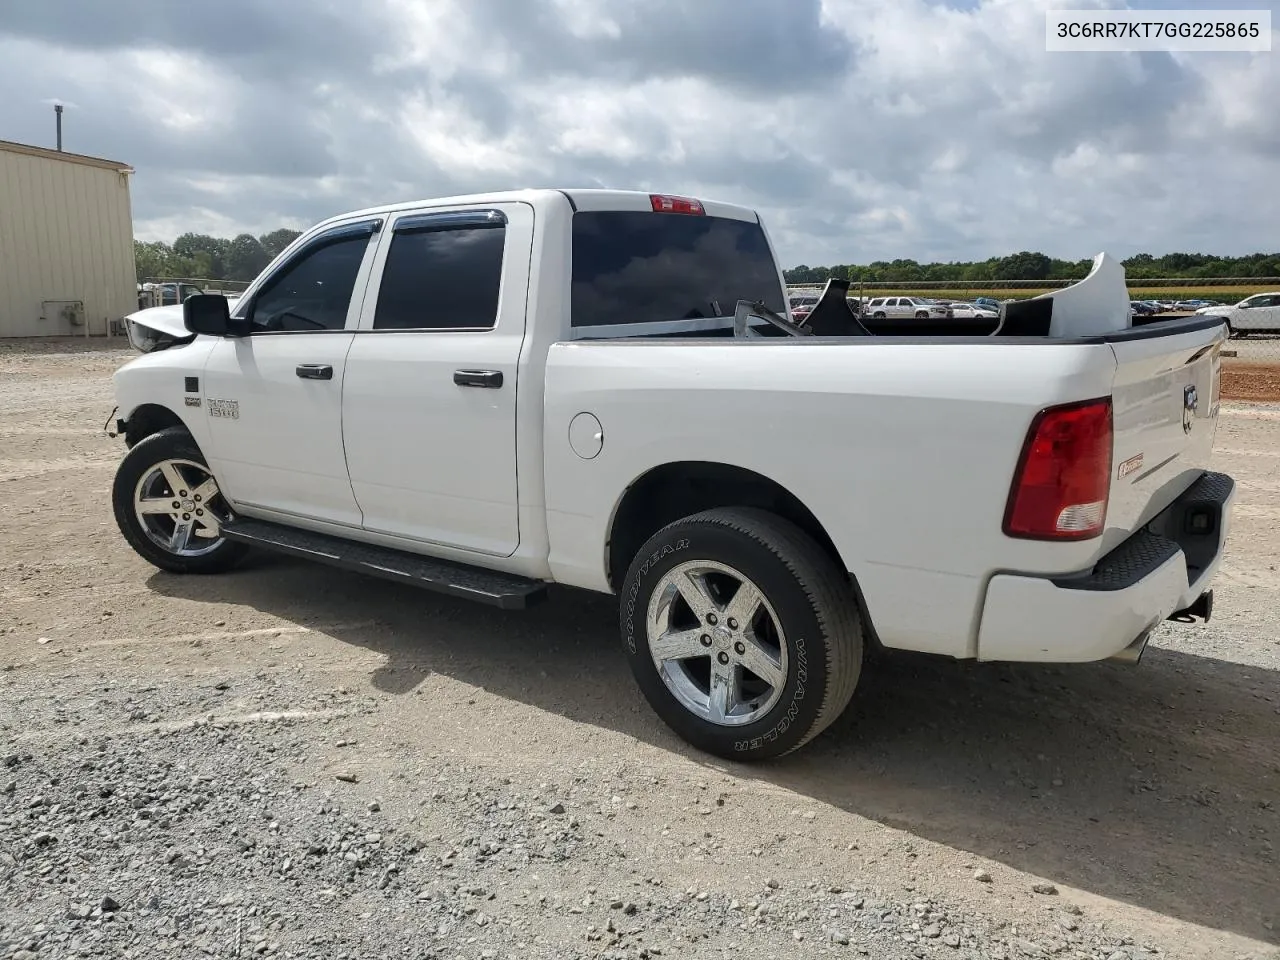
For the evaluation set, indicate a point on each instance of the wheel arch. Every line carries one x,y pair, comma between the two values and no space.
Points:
671,491
148,419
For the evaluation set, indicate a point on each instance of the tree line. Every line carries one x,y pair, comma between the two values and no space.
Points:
1028,265
200,256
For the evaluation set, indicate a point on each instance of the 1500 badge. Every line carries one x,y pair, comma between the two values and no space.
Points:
230,409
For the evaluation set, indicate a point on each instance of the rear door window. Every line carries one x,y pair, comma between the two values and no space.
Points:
632,267
442,275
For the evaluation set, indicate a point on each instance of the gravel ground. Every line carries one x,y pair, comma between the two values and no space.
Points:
290,762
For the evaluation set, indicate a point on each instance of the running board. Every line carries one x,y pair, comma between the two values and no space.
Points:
505,590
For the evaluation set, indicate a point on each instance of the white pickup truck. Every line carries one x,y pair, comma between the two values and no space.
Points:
485,395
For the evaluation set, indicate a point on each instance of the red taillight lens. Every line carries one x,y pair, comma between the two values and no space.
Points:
1063,479
665,204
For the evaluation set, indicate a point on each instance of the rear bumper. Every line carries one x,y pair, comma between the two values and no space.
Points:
1099,613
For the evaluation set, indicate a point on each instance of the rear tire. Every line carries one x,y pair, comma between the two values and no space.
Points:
742,675
177,530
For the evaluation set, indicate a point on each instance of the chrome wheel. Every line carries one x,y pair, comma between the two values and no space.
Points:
717,643
179,508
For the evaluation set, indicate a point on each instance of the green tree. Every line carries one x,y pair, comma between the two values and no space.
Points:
275,241
1024,266
151,259
191,246
245,258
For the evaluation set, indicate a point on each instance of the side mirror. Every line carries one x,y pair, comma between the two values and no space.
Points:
207,313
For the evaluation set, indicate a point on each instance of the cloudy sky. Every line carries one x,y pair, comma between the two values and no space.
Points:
863,129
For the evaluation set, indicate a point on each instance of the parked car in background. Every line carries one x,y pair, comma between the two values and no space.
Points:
1257,314
1142,308
801,306
973,311
898,307
162,294
989,303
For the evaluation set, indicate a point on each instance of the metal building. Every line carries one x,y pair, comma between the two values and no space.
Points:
66,243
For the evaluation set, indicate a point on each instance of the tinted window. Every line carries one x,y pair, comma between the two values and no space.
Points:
313,291
441,279
638,267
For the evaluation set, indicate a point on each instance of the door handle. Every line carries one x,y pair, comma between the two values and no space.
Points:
314,371
492,379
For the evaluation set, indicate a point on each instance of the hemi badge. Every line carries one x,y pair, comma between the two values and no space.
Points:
1129,466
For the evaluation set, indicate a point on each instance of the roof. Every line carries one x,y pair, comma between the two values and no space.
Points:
581,199
30,151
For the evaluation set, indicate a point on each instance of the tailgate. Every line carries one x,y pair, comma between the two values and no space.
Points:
1165,408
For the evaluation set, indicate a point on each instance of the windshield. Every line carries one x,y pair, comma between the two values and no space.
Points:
639,267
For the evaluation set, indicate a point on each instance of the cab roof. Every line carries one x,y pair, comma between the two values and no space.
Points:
583,199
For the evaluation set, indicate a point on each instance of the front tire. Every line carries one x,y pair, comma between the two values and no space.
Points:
168,506
743,635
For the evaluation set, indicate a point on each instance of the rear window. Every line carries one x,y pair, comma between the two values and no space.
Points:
639,267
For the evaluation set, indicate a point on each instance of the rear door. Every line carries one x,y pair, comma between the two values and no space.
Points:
1258,313
429,402
1165,398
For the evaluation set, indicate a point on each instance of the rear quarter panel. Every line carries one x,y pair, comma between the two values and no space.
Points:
904,453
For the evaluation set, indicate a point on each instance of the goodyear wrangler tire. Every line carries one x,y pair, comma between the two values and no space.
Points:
743,635
168,506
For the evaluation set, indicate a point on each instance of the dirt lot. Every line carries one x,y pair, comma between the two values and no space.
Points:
1253,374
288,761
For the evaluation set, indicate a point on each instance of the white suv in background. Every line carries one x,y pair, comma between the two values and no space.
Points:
897,307
1257,314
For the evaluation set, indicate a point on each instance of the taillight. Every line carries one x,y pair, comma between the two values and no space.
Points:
1064,475
665,204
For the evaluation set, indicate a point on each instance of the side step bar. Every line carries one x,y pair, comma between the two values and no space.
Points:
505,590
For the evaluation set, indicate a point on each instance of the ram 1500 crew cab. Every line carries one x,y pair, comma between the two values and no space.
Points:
485,395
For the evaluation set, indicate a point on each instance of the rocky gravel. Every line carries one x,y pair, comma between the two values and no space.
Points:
289,762
219,837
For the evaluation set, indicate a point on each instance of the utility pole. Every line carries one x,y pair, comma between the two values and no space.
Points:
57,109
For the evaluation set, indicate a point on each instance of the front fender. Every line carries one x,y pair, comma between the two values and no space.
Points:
159,390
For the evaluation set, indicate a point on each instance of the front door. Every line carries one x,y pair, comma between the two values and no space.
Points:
429,403
274,395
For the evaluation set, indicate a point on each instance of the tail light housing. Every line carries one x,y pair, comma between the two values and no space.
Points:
1063,480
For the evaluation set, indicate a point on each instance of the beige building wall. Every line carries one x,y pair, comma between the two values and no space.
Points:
66,243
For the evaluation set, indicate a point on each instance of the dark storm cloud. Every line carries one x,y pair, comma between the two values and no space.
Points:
280,37
759,47
863,130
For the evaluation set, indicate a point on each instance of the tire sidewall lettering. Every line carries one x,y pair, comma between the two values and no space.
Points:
792,719
650,562
793,708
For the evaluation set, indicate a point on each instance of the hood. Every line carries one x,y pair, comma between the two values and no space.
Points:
160,326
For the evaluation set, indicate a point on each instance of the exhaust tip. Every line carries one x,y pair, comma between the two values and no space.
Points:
1133,652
